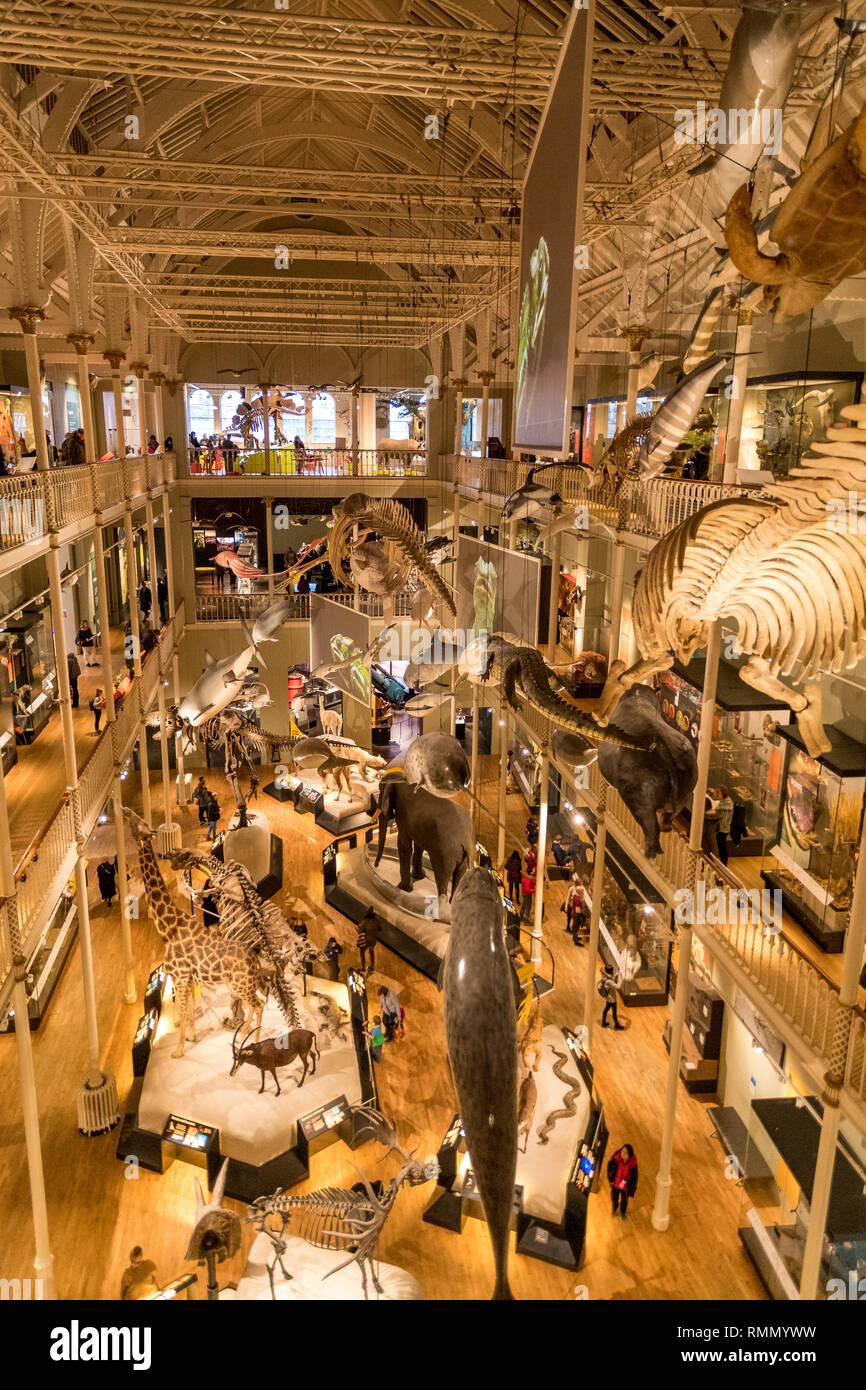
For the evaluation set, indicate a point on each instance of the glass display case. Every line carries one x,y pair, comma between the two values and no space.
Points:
747,750
814,858
783,416
46,963
27,670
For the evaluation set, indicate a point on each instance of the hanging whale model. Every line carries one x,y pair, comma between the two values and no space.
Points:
533,501
481,1031
754,91
271,620
219,684
675,416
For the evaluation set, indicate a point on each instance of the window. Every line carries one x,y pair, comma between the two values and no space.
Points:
399,421
291,423
324,419
229,402
201,413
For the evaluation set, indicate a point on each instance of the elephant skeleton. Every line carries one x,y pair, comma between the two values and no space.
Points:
787,568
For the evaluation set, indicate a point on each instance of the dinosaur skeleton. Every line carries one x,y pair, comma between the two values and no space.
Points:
252,413
393,522
523,669
788,568
339,1218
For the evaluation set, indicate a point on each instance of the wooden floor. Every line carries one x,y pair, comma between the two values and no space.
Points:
97,1210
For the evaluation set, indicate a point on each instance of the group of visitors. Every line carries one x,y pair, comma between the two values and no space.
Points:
213,452
208,807
388,1025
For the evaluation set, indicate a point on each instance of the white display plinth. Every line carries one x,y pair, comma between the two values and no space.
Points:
250,845
308,1265
543,1170
253,1128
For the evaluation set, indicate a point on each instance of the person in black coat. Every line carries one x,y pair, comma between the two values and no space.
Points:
106,874
145,598
162,597
73,666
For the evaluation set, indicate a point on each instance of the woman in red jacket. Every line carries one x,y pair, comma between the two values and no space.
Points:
622,1176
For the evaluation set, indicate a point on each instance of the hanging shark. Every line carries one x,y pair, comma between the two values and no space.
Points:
219,683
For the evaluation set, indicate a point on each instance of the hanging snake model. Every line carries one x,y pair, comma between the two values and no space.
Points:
393,522
569,1106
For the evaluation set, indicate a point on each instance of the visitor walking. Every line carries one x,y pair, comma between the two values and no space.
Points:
97,705
213,816
575,910
367,938
513,875
201,796
607,987
331,955
725,811
162,598
73,666
527,888
139,1278
622,1176
106,876
376,1037
389,1005
85,641
145,598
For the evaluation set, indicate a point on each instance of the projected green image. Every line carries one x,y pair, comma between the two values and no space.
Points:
342,649
484,595
530,332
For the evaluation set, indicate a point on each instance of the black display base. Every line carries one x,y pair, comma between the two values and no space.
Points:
545,1242
245,1183
282,794
830,939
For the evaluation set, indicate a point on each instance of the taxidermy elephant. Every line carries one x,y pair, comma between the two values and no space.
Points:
654,784
426,822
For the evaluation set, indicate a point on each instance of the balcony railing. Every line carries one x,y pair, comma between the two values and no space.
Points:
71,494
318,463
230,608
51,859
650,508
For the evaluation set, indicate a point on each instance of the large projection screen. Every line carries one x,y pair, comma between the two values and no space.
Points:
551,229
339,634
497,590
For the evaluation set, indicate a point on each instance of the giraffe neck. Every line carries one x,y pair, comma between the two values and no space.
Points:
165,912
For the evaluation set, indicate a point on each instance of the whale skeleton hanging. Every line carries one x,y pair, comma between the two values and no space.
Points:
381,568
787,568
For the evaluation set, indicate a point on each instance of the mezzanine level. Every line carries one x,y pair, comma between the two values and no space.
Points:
51,859
650,509
791,990
67,500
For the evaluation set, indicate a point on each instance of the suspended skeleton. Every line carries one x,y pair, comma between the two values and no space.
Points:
250,415
240,737
788,568
340,1218
381,568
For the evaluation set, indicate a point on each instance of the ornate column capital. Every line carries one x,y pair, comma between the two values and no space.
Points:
158,378
171,384
81,342
486,377
114,357
459,383
27,317
140,369
635,336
